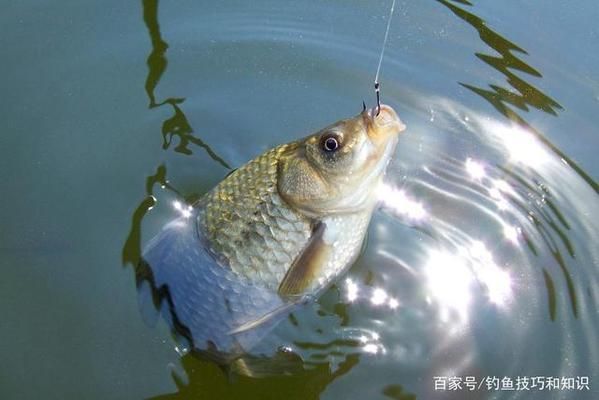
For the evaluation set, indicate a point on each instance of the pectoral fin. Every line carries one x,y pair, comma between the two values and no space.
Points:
308,265
268,317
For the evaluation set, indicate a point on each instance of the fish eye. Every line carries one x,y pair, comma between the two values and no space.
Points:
330,143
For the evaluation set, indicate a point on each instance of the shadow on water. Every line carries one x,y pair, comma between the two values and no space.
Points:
177,125
308,384
397,392
132,248
548,220
527,95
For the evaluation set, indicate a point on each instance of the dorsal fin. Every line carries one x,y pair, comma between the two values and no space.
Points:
307,265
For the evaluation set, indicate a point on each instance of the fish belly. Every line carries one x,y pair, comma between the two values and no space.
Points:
206,301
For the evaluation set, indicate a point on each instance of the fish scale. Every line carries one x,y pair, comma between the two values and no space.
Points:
245,219
259,235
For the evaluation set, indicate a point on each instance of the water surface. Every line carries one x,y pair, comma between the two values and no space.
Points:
483,260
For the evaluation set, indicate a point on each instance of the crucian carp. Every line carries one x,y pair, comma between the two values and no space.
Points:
275,232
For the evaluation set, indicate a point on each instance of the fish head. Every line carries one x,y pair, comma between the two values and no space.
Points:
337,169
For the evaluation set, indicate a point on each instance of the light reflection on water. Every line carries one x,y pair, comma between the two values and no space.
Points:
472,255
481,261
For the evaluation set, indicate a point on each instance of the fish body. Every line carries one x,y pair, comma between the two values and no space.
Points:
259,236
273,233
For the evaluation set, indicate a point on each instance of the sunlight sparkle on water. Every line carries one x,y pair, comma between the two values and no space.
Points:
185,211
521,144
475,169
479,251
397,201
503,186
451,278
371,348
378,297
497,282
351,290
370,343
449,281
495,193
498,191
511,233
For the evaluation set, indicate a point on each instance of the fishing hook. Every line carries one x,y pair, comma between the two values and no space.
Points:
377,90
377,85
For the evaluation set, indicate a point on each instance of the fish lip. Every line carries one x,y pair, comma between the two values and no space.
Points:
383,118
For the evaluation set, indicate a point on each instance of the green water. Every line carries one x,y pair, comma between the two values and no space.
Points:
112,110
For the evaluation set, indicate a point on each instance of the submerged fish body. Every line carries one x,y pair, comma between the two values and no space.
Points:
273,233
204,301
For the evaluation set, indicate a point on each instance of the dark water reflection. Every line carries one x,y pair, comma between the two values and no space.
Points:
308,384
177,125
492,228
481,262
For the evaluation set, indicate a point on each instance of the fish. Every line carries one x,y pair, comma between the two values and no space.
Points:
271,236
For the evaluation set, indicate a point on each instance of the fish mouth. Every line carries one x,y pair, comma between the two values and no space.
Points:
383,122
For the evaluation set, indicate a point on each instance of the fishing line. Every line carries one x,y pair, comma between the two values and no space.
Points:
377,85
